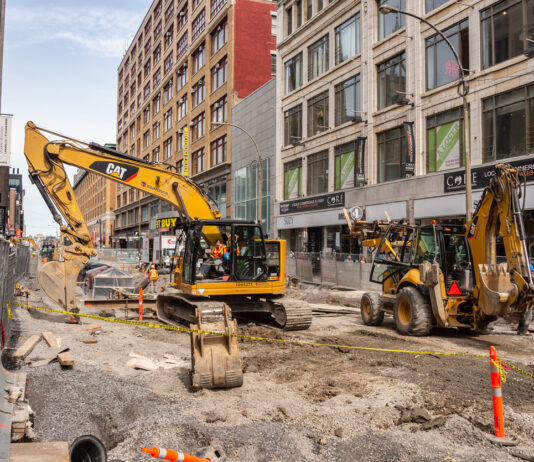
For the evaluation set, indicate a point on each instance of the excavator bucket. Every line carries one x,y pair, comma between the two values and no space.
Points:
497,289
215,358
58,280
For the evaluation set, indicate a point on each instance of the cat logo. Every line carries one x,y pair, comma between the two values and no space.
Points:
122,172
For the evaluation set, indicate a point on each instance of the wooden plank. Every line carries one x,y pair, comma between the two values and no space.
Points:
47,357
57,451
50,338
28,347
65,359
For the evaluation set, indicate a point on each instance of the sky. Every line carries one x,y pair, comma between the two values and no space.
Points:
60,71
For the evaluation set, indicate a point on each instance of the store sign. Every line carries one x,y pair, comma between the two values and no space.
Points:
5,140
481,176
328,201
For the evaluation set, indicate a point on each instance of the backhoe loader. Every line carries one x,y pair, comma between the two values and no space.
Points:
450,275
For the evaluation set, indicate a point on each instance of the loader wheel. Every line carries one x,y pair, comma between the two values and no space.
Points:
371,309
413,315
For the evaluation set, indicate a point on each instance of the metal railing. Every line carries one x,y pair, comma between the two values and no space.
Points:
350,271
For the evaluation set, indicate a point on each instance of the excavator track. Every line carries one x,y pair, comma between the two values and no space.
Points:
292,314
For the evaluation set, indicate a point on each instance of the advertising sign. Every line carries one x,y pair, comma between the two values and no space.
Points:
360,157
327,201
292,180
345,167
186,151
409,165
5,139
448,146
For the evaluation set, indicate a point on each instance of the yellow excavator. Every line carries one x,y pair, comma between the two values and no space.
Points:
452,275
251,280
16,240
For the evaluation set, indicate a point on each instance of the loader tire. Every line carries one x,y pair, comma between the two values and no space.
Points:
371,309
413,314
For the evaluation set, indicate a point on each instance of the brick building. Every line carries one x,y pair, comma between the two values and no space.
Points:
188,64
96,198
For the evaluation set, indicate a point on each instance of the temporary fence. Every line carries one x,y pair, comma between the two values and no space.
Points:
119,255
350,271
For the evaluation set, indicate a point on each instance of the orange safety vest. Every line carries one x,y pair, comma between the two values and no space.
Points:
219,251
153,275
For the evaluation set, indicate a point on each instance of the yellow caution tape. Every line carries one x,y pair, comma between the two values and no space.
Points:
502,372
9,313
267,339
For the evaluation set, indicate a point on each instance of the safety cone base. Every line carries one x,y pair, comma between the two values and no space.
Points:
506,441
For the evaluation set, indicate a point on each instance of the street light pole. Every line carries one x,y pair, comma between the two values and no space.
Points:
260,172
463,89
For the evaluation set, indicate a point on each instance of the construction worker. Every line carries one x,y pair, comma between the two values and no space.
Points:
153,276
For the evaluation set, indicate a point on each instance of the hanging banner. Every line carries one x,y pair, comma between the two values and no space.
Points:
186,151
448,146
360,159
5,139
345,170
292,182
409,165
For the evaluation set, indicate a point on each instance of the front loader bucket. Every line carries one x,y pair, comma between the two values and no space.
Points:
215,358
58,281
497,290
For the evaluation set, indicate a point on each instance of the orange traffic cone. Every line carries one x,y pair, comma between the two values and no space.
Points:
169,454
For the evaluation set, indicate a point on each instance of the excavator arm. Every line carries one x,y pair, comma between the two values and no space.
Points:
46,160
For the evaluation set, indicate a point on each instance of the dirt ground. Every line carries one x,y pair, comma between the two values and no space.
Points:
299,403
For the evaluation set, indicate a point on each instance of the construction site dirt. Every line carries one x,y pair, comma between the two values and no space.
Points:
298,402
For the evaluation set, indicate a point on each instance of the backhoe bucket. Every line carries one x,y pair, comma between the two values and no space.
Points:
58,280
215,358
497,291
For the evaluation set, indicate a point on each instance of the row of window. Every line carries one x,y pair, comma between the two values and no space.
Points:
507,131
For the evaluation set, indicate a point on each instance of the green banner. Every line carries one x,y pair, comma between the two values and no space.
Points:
345,170
448,146
292,183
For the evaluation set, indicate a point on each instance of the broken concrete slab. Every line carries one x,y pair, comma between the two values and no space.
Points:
28,346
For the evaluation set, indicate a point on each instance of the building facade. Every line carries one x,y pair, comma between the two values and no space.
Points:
254,115
16,204
4,169
96,198
187,66
370,117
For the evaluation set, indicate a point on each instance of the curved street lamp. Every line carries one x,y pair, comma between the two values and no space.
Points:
260,173
463,90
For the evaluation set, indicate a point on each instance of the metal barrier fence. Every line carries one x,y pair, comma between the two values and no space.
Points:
350,271
119,255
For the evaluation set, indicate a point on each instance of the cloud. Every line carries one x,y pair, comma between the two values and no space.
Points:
100,30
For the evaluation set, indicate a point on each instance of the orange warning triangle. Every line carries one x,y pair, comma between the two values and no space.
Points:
454,289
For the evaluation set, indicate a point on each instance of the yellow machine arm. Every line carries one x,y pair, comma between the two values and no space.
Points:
46,160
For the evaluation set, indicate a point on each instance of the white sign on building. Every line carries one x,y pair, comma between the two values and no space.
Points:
5,139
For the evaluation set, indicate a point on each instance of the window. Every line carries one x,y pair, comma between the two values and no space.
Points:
148,45
319,5
506,28
441,65
219,36
182,107
181,78
309,9
293,125
289,21
508,124
391,81
181,48
157,30
181,139
218,74
347,100
199,92
433,4
157,54
198,127
146,68
167,39
218,151
167,63
157,10
198,25
345,163
293,73
219,111
180,166
390,22
293,179
156,130
144,212
392,153
119,201
348,39
167,148
167,92
318,58
198,159
146,115
156,105
199,58
216,6
167,117
273,63
318,114
182,17
155,154
445,141
217,191
274,23
132,131
246,193
317,173
146,139
298,6
157,78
